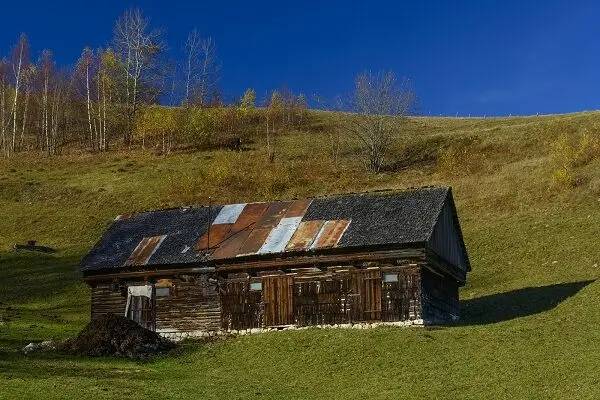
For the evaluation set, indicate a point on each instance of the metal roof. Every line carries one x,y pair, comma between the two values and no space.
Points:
185,235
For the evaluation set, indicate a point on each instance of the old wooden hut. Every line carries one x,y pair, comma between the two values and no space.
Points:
392,256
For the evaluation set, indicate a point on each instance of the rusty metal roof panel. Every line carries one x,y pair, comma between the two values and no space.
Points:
304,235
218,234
330,234
144,250
280,235
240,231
274,213
298,208
229,214
254,242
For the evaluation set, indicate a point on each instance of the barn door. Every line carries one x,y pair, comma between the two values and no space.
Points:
370,294
277,298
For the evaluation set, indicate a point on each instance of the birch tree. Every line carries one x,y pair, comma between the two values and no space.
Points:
20,63
138,49
209,72
45,71
192,66
4,118
83,77
27,81
105,90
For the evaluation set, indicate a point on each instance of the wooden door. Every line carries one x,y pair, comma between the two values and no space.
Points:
369,284
278,300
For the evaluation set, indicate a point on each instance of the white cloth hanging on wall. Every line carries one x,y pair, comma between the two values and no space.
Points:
143,290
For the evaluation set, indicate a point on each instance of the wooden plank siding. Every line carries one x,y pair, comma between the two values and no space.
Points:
302,297
401,300
241,308
192,305
322,298
107,301
440,301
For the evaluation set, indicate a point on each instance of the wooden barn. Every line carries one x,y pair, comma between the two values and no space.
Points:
387,257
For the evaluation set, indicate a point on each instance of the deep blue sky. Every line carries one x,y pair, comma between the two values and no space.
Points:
464,57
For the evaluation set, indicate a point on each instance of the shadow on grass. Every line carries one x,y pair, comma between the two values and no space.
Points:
517,303
31,276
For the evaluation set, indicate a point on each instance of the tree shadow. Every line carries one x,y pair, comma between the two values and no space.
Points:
517,303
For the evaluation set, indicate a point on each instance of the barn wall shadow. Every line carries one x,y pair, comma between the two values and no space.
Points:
516,303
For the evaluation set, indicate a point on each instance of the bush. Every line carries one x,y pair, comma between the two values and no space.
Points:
569,152
563,177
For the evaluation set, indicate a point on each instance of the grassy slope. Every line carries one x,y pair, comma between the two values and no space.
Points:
529,325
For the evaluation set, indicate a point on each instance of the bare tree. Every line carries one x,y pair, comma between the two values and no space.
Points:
209,73
105,82
4,118
139,49
192,67
20,63
85,72
28,82
379,104
274,114
45,71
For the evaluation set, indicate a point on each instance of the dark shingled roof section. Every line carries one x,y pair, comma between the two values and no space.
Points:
378,218
183,227
382,218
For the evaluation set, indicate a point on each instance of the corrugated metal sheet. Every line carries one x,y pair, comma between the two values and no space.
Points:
280,235
330,234
218,233
229,214
144,250
304,235
240,231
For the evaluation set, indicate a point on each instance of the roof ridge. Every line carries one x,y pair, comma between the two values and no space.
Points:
322,196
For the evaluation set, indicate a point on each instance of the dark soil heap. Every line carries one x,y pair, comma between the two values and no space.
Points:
114,335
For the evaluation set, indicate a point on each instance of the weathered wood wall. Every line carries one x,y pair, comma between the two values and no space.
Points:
439,298
107,301
193,305
241,308
401,300
345,295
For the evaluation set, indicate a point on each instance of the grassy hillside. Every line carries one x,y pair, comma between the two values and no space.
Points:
530,322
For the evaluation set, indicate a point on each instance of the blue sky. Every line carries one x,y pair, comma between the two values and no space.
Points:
463,57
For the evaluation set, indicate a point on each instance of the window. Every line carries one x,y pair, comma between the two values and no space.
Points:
163,291
390,277
255,285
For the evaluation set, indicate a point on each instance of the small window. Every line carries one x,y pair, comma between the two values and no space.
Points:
162,291
390,277
255,285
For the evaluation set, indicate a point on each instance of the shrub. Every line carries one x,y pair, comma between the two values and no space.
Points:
563,177
568,153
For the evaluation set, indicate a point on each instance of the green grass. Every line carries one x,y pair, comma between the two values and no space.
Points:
530,319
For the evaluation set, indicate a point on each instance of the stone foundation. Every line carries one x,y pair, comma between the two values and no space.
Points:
178,335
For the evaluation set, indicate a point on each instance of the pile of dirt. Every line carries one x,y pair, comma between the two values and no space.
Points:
116,336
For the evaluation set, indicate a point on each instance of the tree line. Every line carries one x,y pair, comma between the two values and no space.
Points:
111,98
101,101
